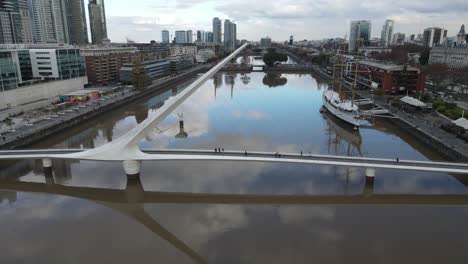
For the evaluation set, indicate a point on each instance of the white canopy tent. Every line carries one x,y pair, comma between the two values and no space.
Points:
413,101
463,122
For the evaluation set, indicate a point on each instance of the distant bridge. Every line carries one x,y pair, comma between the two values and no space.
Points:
125,149
283,68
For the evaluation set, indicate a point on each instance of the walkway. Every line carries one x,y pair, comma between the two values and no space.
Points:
248,156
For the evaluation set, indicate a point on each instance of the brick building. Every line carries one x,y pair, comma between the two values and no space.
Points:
103,63
393,79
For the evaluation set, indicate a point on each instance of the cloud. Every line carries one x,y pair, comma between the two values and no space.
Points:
305,19
251,115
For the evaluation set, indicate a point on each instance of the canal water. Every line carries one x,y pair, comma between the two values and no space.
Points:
253,112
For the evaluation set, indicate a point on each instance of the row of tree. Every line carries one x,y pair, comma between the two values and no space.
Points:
273,57
399,54
442,76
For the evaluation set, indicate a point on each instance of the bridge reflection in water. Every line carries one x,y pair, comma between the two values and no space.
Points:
130,201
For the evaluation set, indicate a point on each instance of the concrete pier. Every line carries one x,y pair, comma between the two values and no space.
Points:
370,175
132,169
47,167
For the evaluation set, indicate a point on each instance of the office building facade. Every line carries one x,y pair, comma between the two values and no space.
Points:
454,57
265,42
10,22
153,69
398,38
180,37
387,33
97,21
230,35
189,37
217,30
165,37
77,27
360,34
434,37
50,24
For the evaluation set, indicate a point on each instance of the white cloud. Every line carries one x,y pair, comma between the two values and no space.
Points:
306,19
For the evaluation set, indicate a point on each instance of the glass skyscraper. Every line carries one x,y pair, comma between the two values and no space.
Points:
360,34
97,21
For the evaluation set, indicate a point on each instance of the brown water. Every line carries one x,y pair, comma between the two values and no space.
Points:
227,212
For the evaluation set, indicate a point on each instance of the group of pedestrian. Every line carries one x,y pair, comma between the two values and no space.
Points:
219,149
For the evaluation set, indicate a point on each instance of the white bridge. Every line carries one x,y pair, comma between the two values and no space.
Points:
125,149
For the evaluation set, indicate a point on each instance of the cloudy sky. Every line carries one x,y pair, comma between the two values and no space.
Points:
143,20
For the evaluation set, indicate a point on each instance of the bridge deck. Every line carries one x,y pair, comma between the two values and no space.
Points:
211,155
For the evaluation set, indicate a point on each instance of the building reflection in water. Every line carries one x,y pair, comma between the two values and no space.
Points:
274,80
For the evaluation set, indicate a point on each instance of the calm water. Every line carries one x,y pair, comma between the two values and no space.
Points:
233,111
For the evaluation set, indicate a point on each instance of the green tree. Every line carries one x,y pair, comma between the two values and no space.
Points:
9,122
437,73
271,57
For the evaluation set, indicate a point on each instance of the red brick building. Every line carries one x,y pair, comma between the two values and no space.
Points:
103,63
393,79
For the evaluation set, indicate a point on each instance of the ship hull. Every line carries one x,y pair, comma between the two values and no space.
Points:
347,117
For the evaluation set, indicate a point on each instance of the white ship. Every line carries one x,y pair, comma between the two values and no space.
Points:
345,110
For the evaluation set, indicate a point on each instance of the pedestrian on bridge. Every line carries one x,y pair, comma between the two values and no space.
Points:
397,160
216,150
301,153
245,152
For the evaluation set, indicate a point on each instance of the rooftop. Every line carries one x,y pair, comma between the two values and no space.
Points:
387,66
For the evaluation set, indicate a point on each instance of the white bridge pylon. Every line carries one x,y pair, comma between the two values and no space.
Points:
125,148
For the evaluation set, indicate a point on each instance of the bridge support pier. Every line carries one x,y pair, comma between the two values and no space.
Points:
132,169
370,175
47,167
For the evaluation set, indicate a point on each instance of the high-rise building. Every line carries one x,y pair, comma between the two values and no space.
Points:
97,21
189,37
398,38
265,42
165,37
291,40
26,21
230,35
434,37
77,27
208,36
360,34
387,33
201,36
50,23
180,36
217,30
461,37
10,22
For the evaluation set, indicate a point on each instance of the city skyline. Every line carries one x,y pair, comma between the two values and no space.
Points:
308,19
